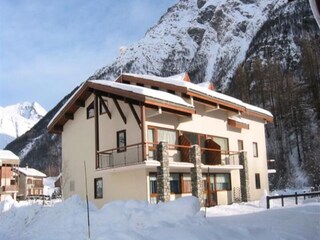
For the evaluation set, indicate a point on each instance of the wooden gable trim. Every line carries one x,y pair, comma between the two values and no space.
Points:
158,84
168,110
170,106
116,91
260,115
135,114
237,124
120,110
80,103
105,107
217,101
69,107
69,116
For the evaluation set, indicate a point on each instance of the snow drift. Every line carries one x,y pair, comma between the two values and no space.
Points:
180,219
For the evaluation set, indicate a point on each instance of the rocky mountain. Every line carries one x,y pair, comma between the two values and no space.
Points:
206,38
17,119
281,72
230,43
38,148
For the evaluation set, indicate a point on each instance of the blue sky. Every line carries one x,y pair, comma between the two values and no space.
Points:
48,47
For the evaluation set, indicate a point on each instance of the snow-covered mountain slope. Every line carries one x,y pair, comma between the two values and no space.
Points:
17,119
208,39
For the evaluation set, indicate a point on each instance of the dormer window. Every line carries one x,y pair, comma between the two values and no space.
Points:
90,111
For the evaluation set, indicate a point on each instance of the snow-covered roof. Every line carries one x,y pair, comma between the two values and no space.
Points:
178,80
8,155
178,83
160,95
31,172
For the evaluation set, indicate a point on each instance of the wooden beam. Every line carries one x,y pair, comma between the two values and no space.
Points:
105,107
58,128
143,123
96,128
135,114
80,103
69,116
120,110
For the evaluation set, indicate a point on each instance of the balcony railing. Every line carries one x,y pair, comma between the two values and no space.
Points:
119,157
133,154
10,188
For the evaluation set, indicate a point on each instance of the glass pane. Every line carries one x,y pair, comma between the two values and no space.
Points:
175,183
192,137
212,186
151,135
223,142
186,183
240,145
223,181
169,136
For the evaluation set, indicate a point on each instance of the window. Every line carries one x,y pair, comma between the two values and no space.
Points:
29,181
175,183
153,183
90,111
186,183
255,149
156,135
240,145
103,104
152,140
223,181
217,182
166,135
258,184
98,188
153,188
121,141
223,142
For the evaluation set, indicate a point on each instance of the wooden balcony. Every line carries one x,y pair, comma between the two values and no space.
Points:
133,154
10,188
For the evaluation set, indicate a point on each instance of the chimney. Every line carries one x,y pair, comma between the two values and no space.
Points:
211,86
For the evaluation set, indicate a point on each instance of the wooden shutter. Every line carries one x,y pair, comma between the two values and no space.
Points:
212,157
184,152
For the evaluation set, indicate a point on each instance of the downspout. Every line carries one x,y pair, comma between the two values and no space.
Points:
143,124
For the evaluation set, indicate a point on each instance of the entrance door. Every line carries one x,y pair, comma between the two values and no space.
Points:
210,190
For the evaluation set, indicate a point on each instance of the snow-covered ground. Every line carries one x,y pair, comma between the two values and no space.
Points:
180,219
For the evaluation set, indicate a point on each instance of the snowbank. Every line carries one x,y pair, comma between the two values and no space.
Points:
180,219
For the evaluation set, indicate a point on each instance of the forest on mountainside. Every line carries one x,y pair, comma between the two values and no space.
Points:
281,73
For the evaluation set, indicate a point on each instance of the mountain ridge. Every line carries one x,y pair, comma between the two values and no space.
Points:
17,119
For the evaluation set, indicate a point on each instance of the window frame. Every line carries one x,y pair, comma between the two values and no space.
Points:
255,149
97,194
178,180
102,109
121,148
89,109
258,181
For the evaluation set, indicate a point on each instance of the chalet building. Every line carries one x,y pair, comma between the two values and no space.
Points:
156,139
30,182
8,179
